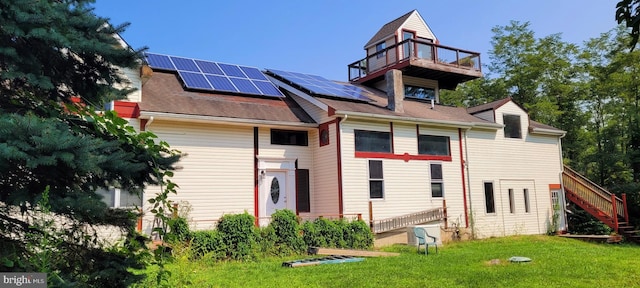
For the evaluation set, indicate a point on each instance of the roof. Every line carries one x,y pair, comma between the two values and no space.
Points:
389,29
488,106
533,125
164,93
413,109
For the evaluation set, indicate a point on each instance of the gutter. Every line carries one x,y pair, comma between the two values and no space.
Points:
413,120
220,120
552,132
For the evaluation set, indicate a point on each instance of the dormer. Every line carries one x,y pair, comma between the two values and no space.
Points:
408,44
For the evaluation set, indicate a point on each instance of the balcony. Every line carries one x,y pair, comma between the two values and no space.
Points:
417,58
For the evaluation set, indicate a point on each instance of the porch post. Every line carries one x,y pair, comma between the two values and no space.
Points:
626,212
615,212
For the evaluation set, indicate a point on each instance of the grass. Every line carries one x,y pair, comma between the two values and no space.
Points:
556,262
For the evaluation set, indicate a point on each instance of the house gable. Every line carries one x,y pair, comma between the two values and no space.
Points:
412,21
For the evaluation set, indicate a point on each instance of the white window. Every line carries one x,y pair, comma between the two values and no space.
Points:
437,185
119,198
376,180
489,200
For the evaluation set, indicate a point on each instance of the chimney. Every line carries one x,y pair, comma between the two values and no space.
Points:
395,90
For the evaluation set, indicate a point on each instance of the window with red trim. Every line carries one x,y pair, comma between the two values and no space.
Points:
433,145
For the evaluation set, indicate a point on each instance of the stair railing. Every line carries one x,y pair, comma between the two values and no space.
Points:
595,195
393,223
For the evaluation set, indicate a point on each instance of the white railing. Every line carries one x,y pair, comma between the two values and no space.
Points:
393,223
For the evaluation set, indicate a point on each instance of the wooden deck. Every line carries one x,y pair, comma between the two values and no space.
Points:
595,238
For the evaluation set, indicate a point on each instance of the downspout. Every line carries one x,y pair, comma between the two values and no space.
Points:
146,125
339,155
466,165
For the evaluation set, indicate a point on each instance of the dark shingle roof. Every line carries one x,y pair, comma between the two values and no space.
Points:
164,93
412,108
488,106
388,29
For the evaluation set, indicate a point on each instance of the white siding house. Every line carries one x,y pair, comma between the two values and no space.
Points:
388,150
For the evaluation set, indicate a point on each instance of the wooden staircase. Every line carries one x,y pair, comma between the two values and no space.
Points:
600,203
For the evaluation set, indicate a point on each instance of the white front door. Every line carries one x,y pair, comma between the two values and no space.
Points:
275,192
277,186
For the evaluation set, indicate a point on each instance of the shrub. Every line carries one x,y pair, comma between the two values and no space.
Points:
332,230
311,236
178,230
287,230
208,243
358,235
238,236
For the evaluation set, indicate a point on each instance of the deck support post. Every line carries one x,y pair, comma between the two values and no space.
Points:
444,213
371,215
615,212
626,212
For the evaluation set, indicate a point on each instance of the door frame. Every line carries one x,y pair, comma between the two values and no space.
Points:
275,164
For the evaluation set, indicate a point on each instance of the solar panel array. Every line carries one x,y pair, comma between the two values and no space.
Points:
319,85
214,76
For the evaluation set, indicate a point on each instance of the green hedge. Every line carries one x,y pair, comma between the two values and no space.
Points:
237,237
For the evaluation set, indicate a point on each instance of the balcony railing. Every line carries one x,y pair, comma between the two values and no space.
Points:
411,49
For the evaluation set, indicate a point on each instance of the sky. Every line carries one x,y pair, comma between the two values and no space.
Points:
323,37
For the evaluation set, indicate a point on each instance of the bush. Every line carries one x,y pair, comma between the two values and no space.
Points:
208,243
358,235
178,230
287,230
238,236
311,236
332,231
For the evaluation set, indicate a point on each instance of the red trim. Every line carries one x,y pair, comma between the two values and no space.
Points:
391,132
126,109
331,112
339,160
75,99
464,186
256,174
554,186
324,127
143,124
406,156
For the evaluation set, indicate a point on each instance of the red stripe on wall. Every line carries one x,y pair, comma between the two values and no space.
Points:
406,156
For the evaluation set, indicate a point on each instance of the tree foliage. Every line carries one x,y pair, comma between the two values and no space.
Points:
51,54
628,12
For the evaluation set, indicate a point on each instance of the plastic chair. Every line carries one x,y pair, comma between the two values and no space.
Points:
425,239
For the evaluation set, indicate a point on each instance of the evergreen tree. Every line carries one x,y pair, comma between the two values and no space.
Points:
56,151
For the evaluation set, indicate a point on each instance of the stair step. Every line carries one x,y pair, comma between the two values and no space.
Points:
632,231
625,227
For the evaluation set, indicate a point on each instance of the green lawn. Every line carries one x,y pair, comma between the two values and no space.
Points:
557,262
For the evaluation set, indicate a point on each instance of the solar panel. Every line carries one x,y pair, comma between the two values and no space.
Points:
184,64
321,86
195,80
215,76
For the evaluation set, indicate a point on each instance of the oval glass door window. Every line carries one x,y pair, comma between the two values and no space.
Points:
275,190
